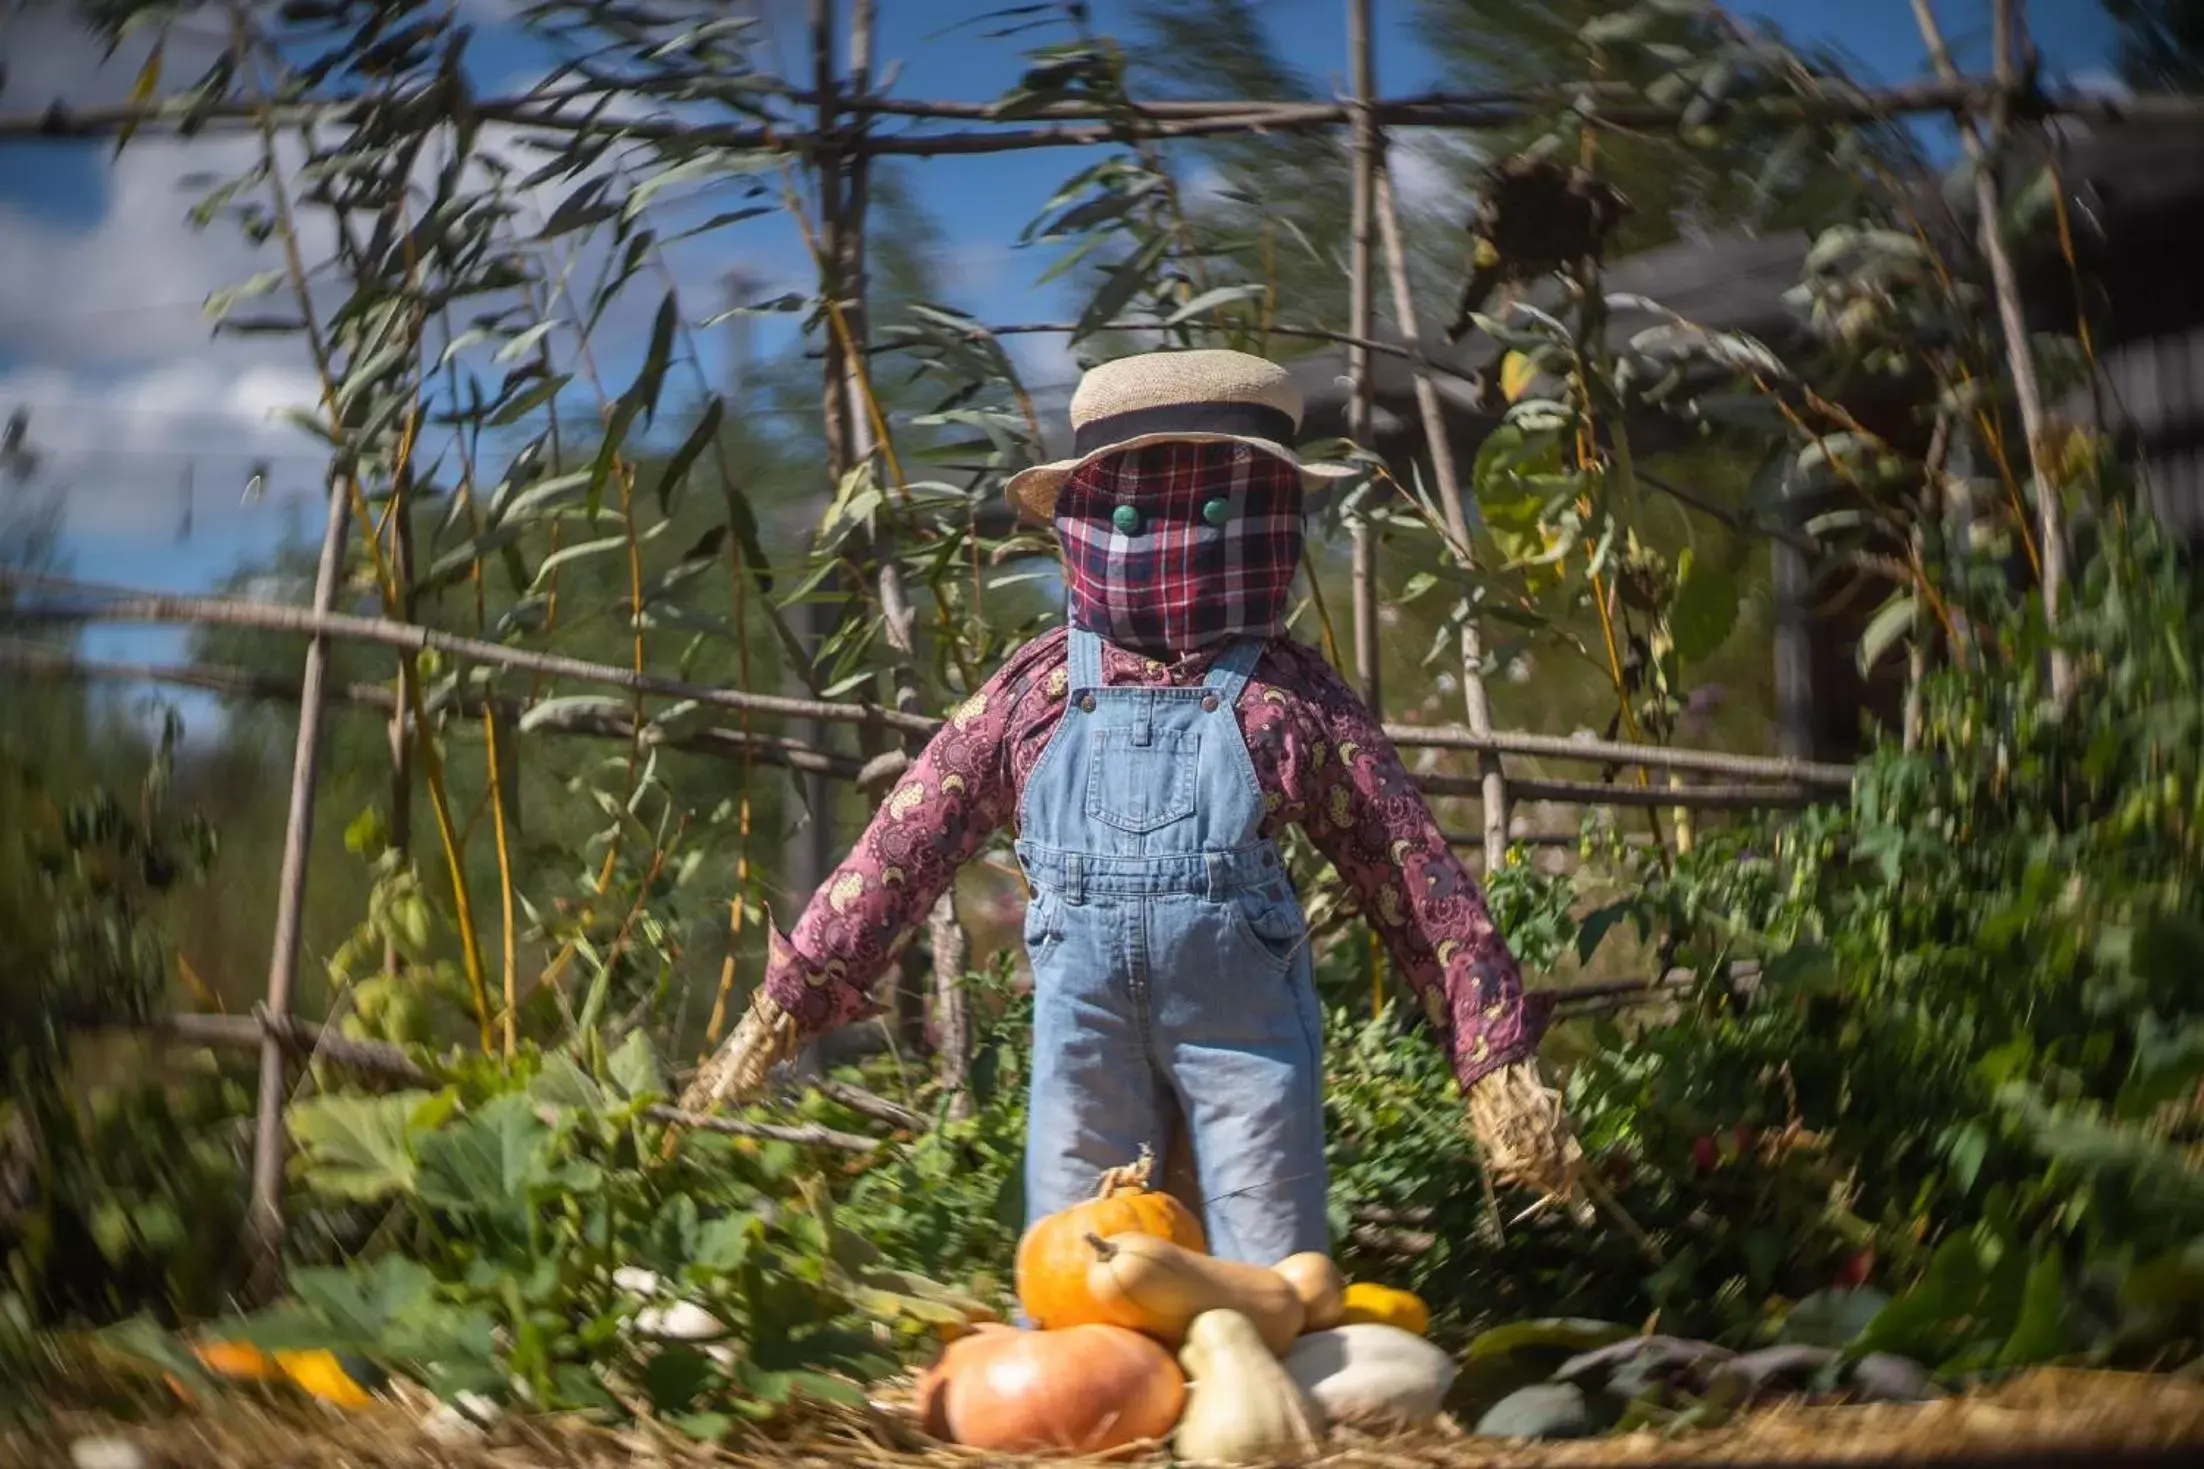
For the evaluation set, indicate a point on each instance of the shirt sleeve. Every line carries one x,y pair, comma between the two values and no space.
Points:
1363,812
953,798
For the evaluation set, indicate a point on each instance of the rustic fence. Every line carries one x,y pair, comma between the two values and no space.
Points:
837,151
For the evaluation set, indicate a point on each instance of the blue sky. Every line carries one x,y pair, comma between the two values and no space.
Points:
101,283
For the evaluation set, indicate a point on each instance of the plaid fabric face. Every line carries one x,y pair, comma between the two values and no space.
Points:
1173,546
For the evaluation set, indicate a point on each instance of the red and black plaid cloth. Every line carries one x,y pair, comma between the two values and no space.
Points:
1206,552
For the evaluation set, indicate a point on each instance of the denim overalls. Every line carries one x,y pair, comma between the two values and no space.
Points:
1169,956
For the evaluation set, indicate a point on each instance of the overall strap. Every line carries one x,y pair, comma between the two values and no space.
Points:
1229,674
1085,660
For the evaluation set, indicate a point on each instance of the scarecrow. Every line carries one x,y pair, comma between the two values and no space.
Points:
1147,756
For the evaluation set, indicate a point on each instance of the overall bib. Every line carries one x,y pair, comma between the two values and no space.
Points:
1170,961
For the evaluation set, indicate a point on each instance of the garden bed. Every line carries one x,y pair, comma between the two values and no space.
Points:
2044,1418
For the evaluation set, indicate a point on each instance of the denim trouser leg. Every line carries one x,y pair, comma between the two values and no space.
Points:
1237,1029
1094,1102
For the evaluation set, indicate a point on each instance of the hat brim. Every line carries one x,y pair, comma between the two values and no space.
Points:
1032,492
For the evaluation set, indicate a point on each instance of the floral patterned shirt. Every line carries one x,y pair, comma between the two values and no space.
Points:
1324,765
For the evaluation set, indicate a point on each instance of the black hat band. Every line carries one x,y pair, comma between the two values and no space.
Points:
1240,420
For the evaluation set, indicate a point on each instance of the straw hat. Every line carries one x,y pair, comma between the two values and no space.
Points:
1202,397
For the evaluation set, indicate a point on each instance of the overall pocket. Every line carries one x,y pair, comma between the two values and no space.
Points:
1042,930
1273,928
1141,788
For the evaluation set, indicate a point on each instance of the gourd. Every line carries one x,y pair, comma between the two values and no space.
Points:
1082,1390
1054,1255
344,1381
1381,1305
1158,1287
1317,1281
1243,1408
1374,1377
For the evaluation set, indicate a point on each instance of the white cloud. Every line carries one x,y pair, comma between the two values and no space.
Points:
119,446
1427,171
52,55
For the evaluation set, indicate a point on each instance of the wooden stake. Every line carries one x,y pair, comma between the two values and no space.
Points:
265,1220
1476,710
2005,285
1369,680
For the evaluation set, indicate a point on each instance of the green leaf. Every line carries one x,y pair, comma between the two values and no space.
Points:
1560,1333
146,1341
1595,927
608,454
1210,300
359,1304
1704,609
677,1376
650,380
1118,290
577,552
634,1069
724,1245
492,1157
1967,1146
1888,625
2040,1334
525,342
141,93
703,1427
685,457
361,1148
1833,1318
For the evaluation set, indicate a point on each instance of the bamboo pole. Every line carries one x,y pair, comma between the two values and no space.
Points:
1369,680
288,1034
1658,798
266,1216
1476,708
2005,286
401,748
117,604
46,660
1616,752
810,849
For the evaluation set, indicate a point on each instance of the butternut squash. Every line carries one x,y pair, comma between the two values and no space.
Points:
1158,1287
1317,1281
1242,1408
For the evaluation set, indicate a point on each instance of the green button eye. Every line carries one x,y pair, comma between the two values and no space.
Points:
1126,519
1217,512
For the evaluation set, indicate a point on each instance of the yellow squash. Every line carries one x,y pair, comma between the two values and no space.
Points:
1381,1305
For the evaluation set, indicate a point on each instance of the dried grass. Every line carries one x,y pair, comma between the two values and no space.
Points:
1523,1132
2047,1417
765,1038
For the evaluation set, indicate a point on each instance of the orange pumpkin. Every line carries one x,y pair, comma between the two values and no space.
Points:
1083,1390
1054,1255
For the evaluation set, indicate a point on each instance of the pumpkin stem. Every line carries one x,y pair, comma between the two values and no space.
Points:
1128,1178
1103,1249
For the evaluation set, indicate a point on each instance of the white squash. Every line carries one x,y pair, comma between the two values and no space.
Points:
1374,1377
1241,1407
